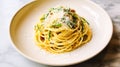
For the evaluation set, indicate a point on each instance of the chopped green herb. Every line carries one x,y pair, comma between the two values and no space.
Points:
37,27
82,28
56,25
74,18
51,9
67,10
46,15
71,24
42,18
59,9
68,23
83,20
55,9
49,35
63,18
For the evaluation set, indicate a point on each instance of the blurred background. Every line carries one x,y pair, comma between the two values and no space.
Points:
9,57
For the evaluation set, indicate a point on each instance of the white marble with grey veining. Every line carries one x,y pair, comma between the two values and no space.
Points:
9,57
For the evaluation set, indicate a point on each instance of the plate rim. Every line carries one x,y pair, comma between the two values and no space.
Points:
30,58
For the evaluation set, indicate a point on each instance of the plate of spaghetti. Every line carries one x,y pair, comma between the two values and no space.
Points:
62,32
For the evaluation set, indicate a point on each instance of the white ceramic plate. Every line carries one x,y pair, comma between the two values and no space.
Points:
22,31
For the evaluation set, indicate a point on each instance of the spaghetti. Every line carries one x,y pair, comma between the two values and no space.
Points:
61,30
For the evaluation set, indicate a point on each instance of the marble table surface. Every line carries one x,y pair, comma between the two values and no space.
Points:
9,57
